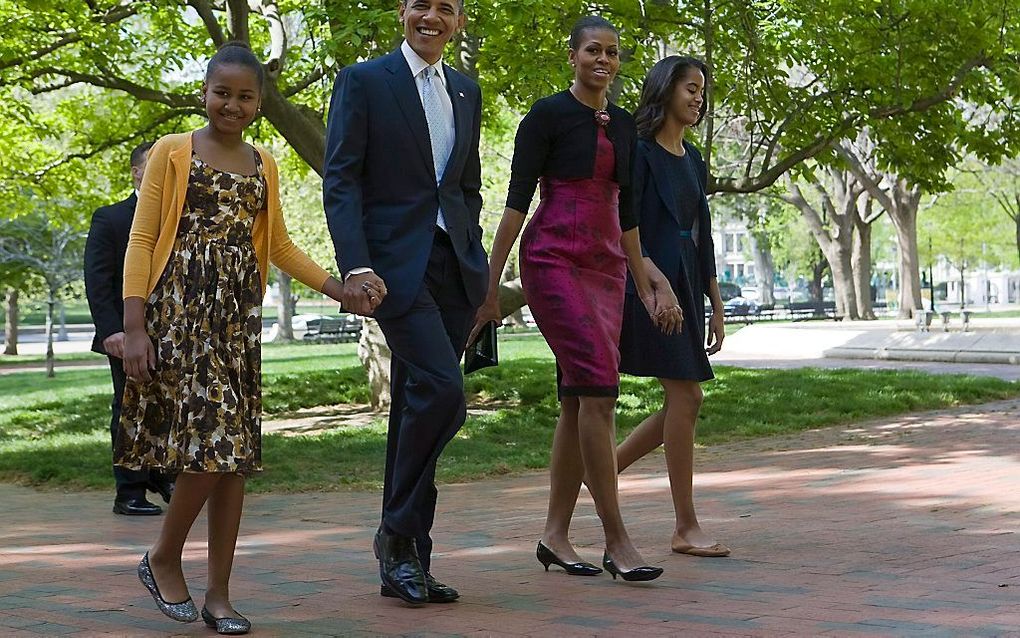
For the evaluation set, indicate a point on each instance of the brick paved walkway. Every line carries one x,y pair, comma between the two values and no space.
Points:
899,527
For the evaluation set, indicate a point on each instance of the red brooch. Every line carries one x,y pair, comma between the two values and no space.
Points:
602,117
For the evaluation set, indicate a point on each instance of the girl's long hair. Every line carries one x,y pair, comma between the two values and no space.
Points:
657,91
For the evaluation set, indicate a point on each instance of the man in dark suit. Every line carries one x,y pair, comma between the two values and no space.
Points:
401,195
104,276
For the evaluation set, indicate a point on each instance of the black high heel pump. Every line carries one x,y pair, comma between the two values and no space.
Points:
637,574
547,557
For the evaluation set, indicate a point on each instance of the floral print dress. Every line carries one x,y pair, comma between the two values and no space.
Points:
201,412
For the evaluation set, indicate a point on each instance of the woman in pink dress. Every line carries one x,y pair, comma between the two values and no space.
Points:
574,259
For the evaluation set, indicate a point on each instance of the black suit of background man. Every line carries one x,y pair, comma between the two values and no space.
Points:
104,279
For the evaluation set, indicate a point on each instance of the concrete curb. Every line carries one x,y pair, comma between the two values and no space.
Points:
949,356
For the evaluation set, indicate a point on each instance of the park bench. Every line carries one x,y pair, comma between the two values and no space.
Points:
333,330
813,310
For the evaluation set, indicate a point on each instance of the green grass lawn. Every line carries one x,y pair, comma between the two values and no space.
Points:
53,432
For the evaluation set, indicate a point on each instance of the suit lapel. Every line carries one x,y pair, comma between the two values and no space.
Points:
660,175
461,115
406,93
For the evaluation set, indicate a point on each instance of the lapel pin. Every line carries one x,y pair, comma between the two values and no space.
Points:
460,93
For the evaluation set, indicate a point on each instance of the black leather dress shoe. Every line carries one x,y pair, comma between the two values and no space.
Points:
399,567
136,506
438,592
162,486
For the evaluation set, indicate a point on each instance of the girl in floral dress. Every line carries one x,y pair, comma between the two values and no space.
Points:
207,224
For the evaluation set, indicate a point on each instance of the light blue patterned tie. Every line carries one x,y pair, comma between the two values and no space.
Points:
439,129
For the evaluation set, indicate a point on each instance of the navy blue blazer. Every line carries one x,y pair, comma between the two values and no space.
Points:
104,267
659,212
379,186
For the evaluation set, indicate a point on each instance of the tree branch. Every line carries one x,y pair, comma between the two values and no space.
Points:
237,20
925,103
113,142
811,216
49,88
869,183
114,16
120,84
304,83
270,10
820,143
212,25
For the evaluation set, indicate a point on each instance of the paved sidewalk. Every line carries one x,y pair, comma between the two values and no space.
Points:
989,341
895,527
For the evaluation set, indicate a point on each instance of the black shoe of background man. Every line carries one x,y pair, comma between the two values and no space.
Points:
136,506
164,486
400,568
438,592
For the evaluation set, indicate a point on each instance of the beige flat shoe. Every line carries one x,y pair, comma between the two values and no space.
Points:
712,551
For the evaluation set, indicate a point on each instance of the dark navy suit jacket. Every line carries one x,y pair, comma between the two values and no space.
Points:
104,267
379,187
659,212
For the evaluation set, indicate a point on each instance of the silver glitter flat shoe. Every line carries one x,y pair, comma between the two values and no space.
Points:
182,612
228,626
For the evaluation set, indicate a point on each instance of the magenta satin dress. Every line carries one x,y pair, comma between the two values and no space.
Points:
573,271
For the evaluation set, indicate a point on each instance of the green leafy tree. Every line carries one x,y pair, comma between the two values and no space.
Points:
50,248
967,229
15,280
1002,183
790,76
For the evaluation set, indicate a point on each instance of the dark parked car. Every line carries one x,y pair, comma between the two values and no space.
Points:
740,307
728,290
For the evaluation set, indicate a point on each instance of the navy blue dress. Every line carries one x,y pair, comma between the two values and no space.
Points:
676,236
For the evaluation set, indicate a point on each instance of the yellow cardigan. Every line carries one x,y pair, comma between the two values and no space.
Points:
160,202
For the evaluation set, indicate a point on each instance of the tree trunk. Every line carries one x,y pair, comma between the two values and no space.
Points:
51,302
861,264
900,201
375,356
833,231
516,317
765,267
284,308
843,281
904,219
815,285
11,322
1016,223
302,127
62,330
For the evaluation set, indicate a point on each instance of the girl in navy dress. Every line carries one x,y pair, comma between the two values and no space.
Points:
670,180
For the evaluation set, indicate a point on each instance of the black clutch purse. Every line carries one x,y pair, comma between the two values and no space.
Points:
482,352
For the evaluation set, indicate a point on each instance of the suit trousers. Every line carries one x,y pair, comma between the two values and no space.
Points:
130,483
427,394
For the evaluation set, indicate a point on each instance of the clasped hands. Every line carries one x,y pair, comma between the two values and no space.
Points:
663,307
363,293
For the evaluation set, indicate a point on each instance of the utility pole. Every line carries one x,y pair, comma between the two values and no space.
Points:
931,277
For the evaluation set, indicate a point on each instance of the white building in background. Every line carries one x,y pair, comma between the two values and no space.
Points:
992,287
733,259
